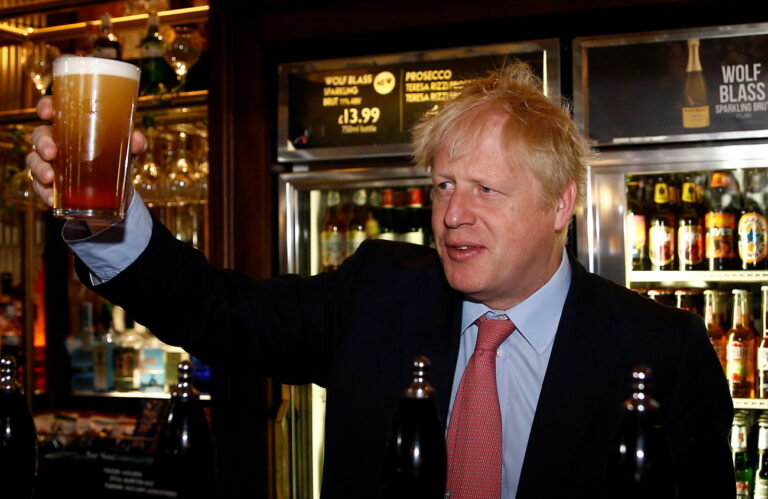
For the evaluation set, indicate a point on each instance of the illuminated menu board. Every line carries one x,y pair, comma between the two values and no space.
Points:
675,86
367,106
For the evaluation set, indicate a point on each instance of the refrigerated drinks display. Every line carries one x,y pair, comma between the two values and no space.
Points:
678,190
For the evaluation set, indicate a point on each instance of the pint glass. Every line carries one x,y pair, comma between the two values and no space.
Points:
94,101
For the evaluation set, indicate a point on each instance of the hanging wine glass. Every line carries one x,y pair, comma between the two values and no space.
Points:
182,49
37,59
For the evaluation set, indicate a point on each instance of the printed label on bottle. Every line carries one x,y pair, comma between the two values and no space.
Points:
661,244
105,52
736,361
738,438
389,236
762,359
413,237
720,229
696,117
753,232
354,239
761,488
690,243
742,489
332,248
637,236
720,351
151,51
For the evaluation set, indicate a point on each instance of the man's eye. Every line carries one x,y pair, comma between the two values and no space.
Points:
486,189
444,186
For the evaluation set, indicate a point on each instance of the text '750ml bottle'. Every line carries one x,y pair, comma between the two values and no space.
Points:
415,464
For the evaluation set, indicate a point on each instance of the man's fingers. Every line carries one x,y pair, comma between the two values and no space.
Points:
42,172
42,140
138,142
45,108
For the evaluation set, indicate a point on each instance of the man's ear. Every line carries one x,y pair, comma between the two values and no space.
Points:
564,207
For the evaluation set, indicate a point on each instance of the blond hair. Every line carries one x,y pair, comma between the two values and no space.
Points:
552,147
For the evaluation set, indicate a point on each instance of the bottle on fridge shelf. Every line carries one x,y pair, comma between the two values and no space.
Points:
80,347
104,353
372,228
752,228
415,463
637,226
661,230
741,347
690,300
414,229
387,215
714,318
356,227
720,221
742,464
173,357
762,349
640,462
18,438
106,44
695,105
690,230
761,474
332,238
185,451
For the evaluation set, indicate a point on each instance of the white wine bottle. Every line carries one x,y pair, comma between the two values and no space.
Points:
696,106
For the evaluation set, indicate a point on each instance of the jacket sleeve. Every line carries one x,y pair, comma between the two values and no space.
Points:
701,419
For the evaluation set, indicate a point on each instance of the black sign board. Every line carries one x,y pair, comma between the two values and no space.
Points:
366,107
678,86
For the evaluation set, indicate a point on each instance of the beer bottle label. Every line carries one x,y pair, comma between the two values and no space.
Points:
105,52
742,489
332,248
690,244
736,361
354,239
753,232
762,359
389,236
415,237
637,235
720,351
661,244
720,229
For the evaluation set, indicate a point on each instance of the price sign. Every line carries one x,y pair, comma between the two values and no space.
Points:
367,107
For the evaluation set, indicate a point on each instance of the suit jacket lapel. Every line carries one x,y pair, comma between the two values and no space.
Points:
582,358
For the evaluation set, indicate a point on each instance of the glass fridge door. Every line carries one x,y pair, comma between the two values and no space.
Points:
323,217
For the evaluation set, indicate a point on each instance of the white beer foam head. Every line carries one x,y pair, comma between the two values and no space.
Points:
74,64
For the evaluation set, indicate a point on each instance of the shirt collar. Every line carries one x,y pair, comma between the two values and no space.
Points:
537,317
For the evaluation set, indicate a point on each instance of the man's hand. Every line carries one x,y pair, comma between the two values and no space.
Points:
44,150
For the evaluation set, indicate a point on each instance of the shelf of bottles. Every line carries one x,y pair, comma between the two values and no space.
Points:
699,241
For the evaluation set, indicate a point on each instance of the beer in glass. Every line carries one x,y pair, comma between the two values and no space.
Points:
94,100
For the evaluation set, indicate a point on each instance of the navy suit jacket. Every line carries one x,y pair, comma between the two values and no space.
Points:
355,331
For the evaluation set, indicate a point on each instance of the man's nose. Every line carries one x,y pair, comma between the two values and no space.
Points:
460,209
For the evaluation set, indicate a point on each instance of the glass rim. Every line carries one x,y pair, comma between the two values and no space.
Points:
70,64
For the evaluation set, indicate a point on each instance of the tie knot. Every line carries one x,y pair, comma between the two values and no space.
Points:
492,333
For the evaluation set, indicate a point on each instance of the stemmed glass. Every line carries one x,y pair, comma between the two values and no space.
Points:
182,50
38,63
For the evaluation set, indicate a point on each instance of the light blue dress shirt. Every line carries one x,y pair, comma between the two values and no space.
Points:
521,363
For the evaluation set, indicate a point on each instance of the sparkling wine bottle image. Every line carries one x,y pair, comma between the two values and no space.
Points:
695,106
18,438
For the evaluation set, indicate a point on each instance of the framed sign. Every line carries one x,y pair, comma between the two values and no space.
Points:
365,107
674,86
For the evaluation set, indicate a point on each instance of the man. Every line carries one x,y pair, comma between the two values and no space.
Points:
508,168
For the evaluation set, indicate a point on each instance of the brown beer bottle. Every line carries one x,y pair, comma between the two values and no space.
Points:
661,232
714,319
690,231
636,226
387,215
356,228
752,229
720,222
740,351
332,237
762,349
690,300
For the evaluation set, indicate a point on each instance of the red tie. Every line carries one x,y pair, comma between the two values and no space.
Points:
474,431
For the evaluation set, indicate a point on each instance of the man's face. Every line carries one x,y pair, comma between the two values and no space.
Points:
496,240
